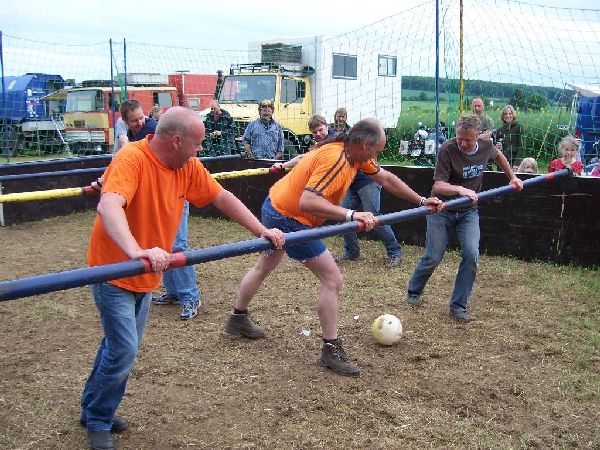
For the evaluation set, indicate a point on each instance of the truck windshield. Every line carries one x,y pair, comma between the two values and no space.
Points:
84,101
247,89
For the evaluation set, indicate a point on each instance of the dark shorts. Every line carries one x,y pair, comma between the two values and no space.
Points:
301,252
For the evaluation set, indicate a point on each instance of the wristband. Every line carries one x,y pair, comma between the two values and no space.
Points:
99,181
422,202
349,215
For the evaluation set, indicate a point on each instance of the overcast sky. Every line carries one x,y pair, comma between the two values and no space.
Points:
227,24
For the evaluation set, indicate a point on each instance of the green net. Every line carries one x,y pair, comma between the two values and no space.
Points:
532,57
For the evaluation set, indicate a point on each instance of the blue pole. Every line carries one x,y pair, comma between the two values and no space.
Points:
437,76
93,170
25,287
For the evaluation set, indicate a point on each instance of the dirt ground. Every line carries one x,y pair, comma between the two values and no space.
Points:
524,374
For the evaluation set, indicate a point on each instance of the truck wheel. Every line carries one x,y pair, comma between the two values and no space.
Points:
10,140
290,150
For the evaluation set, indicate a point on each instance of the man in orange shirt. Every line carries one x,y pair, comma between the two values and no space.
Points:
143,195
305,198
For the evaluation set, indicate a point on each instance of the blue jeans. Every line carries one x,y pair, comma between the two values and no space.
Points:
368,198
271,218
439,227
181,282
123,316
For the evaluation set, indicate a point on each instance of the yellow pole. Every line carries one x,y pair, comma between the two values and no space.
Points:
41,195
74,192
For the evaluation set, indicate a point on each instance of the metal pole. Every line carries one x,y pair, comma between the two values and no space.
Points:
112,91
25,287
4,105
461,88
125,67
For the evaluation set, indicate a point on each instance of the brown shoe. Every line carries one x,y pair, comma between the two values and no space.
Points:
240,325
333,357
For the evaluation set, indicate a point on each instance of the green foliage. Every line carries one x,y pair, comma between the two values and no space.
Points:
490,89
541,125
537,102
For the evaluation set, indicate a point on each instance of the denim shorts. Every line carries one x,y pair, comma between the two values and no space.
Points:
300,252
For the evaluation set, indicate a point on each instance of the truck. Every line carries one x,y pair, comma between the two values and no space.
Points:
91,111
585,120
28,121
313,75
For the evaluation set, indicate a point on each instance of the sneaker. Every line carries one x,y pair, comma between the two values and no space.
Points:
165,299
460,316
334,357
393,262
240,325
413,300
189,311
345,257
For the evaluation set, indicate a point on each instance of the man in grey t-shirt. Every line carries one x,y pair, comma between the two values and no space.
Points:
486,125
458,173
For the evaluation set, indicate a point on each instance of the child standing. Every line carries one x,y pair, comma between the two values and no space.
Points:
528,165
568,149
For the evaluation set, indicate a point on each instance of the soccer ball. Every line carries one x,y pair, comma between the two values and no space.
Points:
387,329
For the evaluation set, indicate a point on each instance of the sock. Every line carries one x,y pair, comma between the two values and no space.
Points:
240,311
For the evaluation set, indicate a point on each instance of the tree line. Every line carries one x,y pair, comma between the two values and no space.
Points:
521,96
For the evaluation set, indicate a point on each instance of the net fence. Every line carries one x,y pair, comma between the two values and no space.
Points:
541,60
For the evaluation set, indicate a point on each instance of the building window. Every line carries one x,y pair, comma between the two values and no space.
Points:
344,66
387,66
162,99
292,91
194,103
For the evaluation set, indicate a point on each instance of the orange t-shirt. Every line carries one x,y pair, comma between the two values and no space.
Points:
154,196
325,171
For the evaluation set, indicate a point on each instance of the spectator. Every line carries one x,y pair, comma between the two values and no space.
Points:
219,130
263,138
486,124
138,127
155,113
528,165
568,149
510,137
320,131
305,198
340,123
458,173
125,228
120,135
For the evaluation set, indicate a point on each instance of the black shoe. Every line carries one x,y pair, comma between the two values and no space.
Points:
413,300
101,440
459,316
119,425
240,325
333,357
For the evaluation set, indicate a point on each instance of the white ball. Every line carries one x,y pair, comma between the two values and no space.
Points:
387,329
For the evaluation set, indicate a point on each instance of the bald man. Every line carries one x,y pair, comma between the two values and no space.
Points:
135,220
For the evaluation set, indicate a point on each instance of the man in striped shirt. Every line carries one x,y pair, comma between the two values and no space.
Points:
304,199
